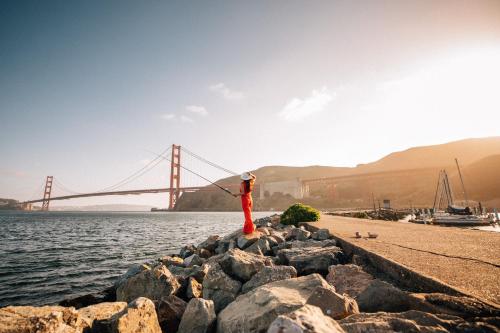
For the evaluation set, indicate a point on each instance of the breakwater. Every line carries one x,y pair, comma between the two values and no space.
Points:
278,279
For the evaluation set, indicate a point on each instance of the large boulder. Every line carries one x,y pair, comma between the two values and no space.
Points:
171,261
298,234
411,321
219,287
210,244
169,312
242,265
321,234
187,250
383,296
93,315
153,283
303,244
138,316
257,309
199,317
260,247
269,274
193,260
44,319
311,259
246,240
348,279
307,319
332,304
133,270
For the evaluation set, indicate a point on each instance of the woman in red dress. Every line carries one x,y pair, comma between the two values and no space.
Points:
246,187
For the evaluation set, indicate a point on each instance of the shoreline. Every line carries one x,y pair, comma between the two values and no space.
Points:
296,275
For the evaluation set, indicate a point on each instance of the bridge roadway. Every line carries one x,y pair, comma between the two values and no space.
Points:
135,192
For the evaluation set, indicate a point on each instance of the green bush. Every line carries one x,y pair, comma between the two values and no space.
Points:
299,213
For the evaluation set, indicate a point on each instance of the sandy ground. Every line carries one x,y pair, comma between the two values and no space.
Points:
463,258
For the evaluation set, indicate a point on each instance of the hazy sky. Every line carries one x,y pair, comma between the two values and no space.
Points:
88,89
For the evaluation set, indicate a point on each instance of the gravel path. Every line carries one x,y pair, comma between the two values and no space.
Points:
463,258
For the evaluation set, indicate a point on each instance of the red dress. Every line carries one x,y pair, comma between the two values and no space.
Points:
247,204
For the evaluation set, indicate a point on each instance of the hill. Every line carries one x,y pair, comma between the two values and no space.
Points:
403,177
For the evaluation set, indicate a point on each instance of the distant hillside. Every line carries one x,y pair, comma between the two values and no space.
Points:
403,177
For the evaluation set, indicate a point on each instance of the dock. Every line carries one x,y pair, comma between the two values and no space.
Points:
424,258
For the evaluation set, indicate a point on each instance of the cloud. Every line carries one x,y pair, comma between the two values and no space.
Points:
297,109
186,119
197,109
168,116
225,92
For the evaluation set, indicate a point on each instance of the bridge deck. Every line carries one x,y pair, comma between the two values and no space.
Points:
465,259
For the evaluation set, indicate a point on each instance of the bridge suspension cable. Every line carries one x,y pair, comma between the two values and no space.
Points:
61,186
184,149
148,167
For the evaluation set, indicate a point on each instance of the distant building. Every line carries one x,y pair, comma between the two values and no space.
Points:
292,187
387,204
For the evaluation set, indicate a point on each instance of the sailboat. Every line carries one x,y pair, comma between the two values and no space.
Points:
454,215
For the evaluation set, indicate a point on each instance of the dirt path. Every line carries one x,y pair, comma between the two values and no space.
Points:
465,259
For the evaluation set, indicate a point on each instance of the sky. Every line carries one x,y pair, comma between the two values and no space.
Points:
91,90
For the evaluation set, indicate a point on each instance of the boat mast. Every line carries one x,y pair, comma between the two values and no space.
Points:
463,186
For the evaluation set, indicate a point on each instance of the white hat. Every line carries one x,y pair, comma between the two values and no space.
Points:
247,176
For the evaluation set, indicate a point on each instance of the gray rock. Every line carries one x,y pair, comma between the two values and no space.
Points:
465,307
152,283
187,250
210,243
307,319
321,234
194,289
199,317
304,244
242,265
219,287
311,259
204,253
411,321
257,309
138,316
264,231
245,241
192,260
332,304
298,234
169,312
382,296
269,274
348,279
260,247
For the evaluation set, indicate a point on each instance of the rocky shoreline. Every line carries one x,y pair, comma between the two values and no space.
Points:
280,279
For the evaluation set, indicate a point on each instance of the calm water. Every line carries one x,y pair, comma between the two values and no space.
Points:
46,257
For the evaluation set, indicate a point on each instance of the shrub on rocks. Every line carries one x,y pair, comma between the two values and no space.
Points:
332,304
307,319
152,283
138,316
311,259
257,309
199,317
242,265
219,287
269,274
412,321
299,213
169,311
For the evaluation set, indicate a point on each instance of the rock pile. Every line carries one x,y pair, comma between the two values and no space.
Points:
279,279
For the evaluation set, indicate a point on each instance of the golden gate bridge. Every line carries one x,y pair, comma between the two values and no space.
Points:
175,190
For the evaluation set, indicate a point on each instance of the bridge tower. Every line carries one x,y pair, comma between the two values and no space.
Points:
175,176
47,192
